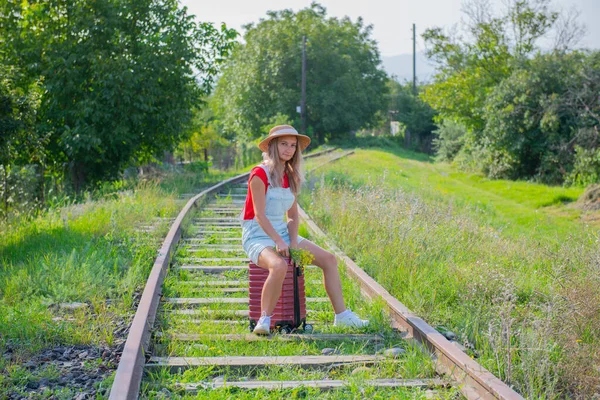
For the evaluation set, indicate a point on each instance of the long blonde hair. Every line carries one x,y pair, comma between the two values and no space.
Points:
294,168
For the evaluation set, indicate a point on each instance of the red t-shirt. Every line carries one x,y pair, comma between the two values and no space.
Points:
259,172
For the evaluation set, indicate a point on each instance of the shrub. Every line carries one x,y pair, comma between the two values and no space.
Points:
385,141
586,169
449,140
20,190
198,166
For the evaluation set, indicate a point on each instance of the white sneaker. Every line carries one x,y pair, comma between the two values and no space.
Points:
348,318
263,326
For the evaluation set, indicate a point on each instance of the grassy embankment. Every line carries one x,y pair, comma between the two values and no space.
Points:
91,253
511,267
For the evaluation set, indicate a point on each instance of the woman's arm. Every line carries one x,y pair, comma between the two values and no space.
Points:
257,188
292,225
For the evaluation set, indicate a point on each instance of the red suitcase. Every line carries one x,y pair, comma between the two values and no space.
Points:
290,311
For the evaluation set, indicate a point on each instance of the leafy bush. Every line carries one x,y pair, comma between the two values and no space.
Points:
449,140
198,166
528,127
522,106
369,141
586,169
20,190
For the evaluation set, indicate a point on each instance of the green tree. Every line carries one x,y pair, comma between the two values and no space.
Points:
345,86
414,113
529,127
205,135
120,77
524,111
19,140
469,69
582,96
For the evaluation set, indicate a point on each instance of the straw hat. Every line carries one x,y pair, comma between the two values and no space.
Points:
284,130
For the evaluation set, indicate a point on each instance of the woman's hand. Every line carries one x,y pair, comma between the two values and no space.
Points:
282,248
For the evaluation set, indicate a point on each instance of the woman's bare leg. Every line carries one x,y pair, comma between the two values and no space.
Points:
277,267
331,277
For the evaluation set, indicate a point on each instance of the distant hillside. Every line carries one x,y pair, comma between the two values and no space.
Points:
402,66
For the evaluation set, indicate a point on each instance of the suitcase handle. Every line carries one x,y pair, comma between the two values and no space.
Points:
298,269
297,273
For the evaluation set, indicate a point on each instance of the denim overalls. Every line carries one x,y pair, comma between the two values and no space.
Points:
278,201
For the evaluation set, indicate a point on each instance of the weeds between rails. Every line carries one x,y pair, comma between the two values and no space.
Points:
219,318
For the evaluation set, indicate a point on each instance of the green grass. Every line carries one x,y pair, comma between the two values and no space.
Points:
414,364
513,207
499,263
355,389
86,254
90,253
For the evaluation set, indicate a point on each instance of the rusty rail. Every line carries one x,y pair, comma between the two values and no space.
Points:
475,382
130,369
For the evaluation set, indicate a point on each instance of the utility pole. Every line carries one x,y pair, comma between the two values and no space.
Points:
303,100
414,59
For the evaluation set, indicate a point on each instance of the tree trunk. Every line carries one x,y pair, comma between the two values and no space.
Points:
5,191
205,155
42,186
77,176
168,158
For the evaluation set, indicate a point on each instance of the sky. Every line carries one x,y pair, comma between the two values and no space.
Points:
392,20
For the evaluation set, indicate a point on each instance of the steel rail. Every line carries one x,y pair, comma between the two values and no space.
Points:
475,382
131,365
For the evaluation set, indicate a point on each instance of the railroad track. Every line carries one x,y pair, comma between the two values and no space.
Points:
190,334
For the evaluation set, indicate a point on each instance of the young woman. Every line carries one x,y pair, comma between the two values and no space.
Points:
267,237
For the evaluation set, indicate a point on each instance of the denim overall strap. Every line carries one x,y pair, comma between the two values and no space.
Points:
278,201
266,169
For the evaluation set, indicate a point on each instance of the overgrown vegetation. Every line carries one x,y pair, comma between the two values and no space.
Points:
507,108
415,116
509,269
218,319
89,88
212,143
72,274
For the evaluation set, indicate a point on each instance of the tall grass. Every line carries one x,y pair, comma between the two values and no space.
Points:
529,307
414,364
93,251
88,252
85,253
